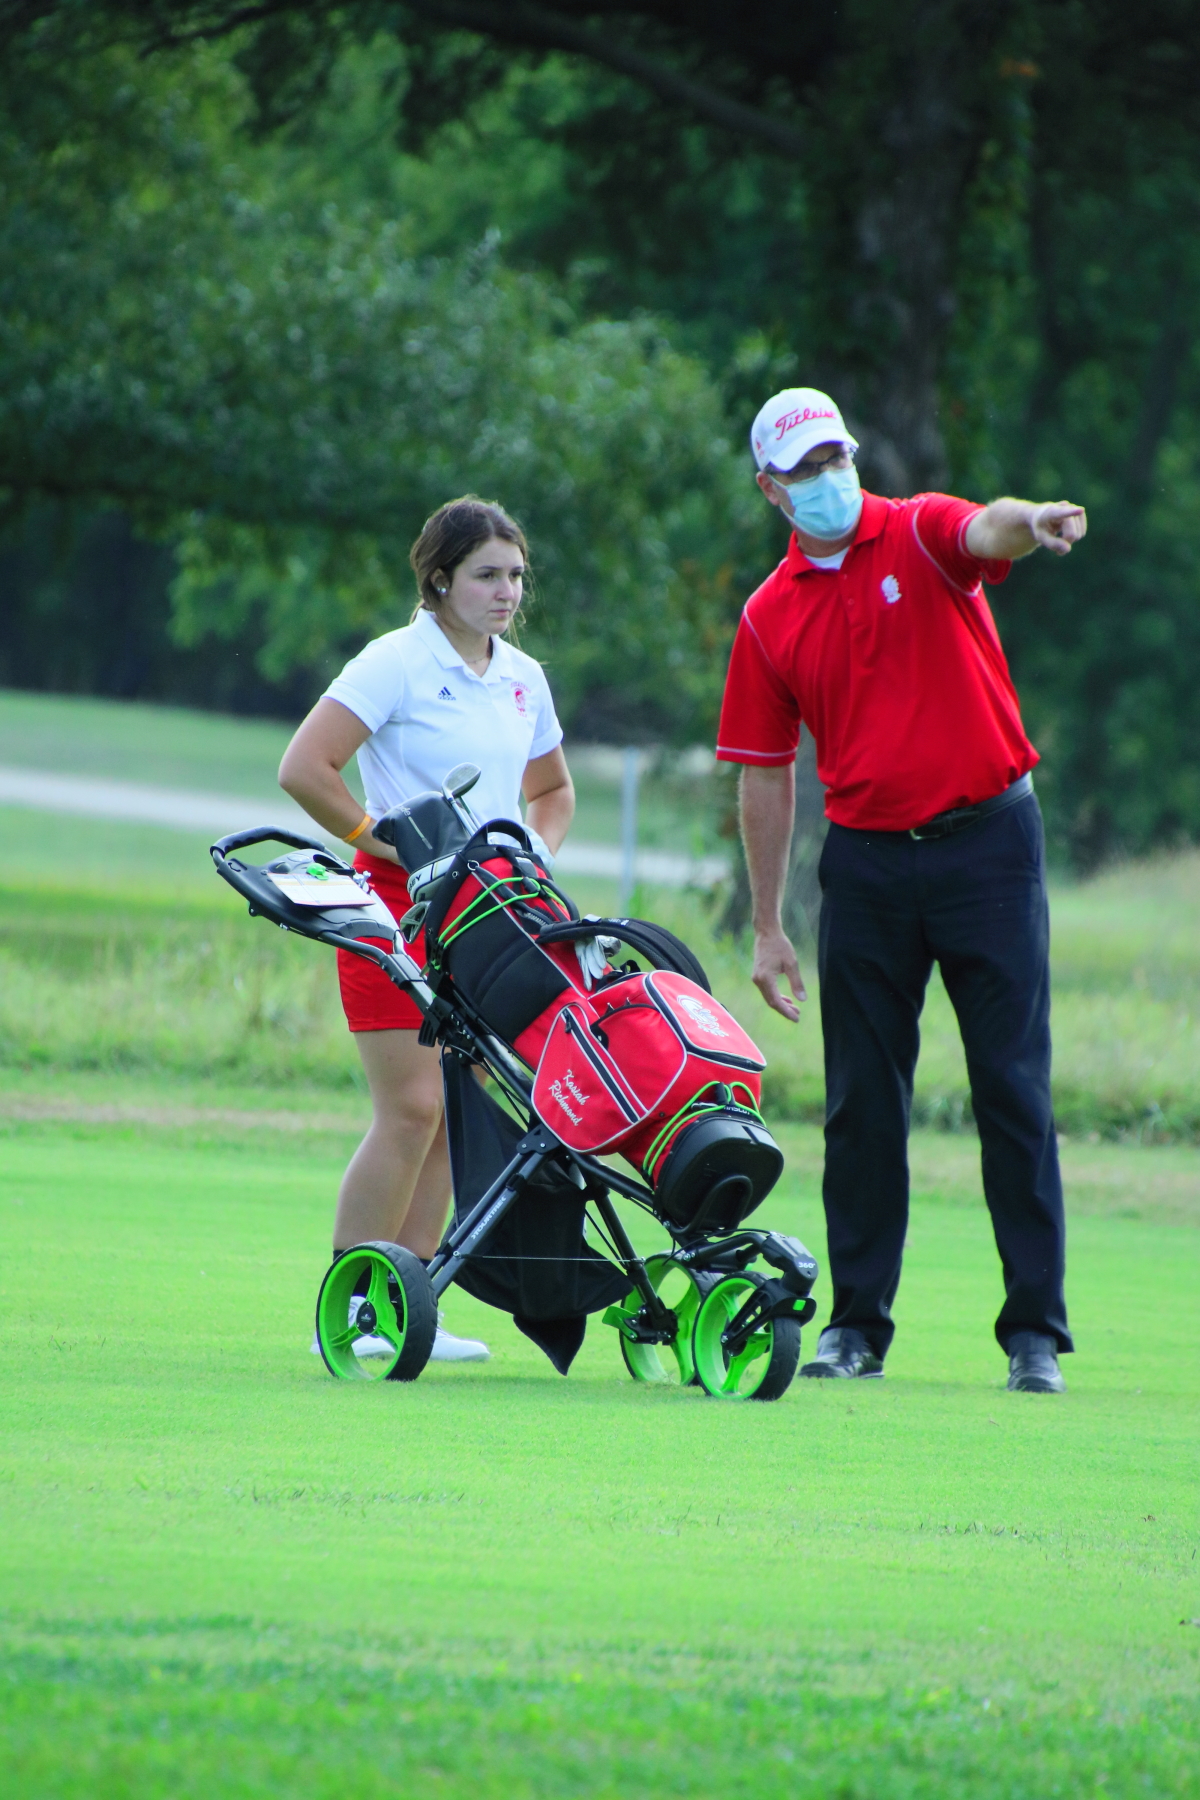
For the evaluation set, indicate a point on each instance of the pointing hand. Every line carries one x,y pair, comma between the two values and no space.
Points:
1058,525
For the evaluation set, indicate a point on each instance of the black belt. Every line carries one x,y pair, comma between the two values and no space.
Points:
944,823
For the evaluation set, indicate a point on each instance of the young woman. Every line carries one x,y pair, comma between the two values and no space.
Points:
445,689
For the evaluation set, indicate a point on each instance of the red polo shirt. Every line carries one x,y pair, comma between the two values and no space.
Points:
893,663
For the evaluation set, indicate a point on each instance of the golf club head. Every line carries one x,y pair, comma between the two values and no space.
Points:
460,780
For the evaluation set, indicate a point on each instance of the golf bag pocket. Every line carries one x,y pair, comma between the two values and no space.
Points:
620,1063
652,1066
589,1089
703,1026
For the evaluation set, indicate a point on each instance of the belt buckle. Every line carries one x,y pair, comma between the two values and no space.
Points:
944,826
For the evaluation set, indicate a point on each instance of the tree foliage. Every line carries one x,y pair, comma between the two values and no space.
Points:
276,383
972,219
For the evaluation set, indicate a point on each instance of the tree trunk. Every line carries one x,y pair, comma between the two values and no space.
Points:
931,107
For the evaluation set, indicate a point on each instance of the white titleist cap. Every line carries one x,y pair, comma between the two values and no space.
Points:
791,423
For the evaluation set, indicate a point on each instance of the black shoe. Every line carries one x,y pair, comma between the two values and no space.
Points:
844,1352
1033,1364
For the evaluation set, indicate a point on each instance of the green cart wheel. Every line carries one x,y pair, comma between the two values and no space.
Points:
682,1290
763,1367
378,1298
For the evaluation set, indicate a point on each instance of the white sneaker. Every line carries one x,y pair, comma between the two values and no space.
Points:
363,1346
447,1348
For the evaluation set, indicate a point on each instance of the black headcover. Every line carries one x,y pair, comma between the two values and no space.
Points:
534,1263
423,830
433,826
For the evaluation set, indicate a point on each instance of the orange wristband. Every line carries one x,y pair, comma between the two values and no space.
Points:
359,828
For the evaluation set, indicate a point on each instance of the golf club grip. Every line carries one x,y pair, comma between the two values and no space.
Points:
263,834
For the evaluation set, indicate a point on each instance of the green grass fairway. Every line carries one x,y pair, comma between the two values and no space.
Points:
223,1574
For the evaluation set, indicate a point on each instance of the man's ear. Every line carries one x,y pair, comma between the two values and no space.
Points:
767,484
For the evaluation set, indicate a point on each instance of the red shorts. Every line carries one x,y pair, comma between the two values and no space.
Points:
370,1001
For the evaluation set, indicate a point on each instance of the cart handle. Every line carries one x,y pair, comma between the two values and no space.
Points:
262,834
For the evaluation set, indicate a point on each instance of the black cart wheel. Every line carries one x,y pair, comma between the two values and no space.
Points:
376,1314
763,1368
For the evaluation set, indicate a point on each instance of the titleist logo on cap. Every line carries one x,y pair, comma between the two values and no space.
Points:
792,421
789,421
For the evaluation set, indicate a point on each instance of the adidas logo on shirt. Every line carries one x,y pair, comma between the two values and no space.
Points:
445,694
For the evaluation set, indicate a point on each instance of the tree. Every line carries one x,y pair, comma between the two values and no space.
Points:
882,119
275,385
899,127
973,219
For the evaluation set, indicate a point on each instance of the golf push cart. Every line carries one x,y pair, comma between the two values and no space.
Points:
564,1041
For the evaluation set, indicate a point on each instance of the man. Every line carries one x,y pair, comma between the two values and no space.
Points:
875,633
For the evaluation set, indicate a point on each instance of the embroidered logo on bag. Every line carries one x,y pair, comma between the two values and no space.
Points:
700,1015
445,694
891,589
566,1084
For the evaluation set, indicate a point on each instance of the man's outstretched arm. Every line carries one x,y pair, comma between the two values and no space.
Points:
1008,529
768,805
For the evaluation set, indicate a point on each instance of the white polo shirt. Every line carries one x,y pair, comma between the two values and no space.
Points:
426,711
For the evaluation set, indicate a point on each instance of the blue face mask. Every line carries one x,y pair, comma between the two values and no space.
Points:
828,506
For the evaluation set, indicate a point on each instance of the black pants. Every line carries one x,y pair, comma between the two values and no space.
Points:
974,903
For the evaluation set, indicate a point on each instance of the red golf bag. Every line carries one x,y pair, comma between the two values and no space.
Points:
644,1063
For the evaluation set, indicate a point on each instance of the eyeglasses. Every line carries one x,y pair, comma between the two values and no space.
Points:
809,469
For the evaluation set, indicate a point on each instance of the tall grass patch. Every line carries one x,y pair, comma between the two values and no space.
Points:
146,985
178,981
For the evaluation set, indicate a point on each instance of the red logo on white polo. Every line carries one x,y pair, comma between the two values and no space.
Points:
521,699
790,420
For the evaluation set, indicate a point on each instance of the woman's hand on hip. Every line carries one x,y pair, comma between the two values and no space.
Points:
311,772
372,846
